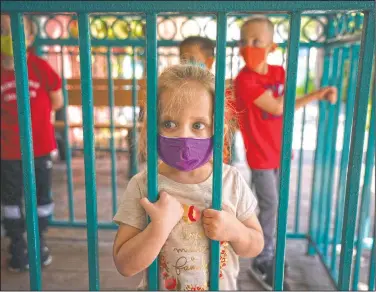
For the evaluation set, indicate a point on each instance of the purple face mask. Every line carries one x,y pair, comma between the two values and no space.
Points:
185,154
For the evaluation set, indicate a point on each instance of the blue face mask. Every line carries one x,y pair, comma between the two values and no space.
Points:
196,63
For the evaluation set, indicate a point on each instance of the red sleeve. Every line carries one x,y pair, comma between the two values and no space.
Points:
49,78
281,77
248,90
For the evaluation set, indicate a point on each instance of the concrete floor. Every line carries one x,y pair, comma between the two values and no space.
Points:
69,270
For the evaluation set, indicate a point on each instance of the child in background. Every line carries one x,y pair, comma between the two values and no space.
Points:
182,221
45,96
259,90
197,50
200,51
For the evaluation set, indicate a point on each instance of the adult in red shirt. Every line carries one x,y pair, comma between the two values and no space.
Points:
259,90
45,96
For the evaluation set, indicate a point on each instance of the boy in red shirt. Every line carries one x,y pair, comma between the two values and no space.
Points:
259,90
45,96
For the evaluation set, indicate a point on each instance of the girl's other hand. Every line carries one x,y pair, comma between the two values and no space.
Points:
165,213
220,225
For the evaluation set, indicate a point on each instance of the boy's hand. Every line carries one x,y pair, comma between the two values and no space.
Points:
166,212
220,225
328,93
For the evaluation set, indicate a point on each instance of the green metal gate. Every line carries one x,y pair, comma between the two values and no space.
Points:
349,37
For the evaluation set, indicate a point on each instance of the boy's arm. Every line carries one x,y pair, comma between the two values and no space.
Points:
274,106
57,100
269,104
134,250
52,83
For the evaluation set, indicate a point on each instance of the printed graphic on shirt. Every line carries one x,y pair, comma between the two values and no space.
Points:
277,90
11,85
184,260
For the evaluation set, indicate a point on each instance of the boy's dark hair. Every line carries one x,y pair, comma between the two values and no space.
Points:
32,25
205,44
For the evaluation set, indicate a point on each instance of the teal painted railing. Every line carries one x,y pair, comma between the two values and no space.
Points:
341,43
89,154
218,141
288,119
26,139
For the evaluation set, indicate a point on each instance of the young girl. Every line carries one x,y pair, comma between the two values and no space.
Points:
182,221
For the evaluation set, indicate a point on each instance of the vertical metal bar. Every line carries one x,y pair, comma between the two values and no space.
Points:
111,102
328,193
356,149
231,63
300,163
26,142
152,71
366,192
133,146
68,151
318,160
327,150
233,154
372,262
344,155
218,140
89,152
288,126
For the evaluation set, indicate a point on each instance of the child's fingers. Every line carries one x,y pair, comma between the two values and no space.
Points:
147,205
210,213
207,220
163,196
332,99
226,208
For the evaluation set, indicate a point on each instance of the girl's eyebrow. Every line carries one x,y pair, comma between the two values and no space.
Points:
202,119
166,117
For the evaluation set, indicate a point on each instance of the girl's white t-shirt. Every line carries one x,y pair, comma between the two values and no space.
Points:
184,259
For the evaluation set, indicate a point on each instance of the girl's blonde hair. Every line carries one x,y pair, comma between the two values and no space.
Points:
177,78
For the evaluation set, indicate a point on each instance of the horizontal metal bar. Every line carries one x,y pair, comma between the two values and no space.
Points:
110,225
296,236
142,43
81,224
94,42
183,6
199,14
101,149
344,40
